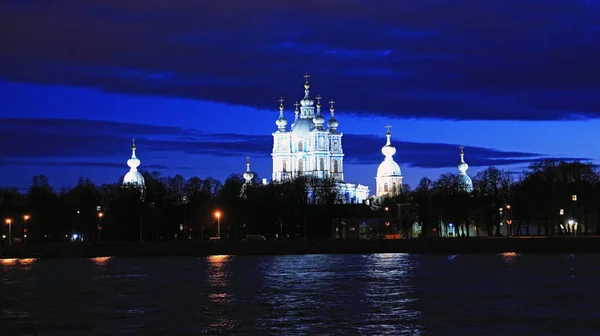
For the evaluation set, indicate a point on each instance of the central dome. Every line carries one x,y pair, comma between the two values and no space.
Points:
302,128
389,167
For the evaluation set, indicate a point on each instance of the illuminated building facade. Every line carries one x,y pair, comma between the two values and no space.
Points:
310,149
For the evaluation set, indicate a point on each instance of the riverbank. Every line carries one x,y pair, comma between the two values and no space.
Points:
441,246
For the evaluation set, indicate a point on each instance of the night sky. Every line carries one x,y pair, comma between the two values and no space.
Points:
197,83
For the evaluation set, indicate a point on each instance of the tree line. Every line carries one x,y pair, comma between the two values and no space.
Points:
540,200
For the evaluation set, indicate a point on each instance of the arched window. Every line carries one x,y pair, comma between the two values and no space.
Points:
284,166
394,190
300,146
300,165
385,187
335,166
321,164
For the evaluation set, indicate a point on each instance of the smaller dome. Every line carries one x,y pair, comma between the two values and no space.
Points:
134,162
133,178
333,124
307,101
319,120
388,150
466,182
248,176
462,167
281,122
388,167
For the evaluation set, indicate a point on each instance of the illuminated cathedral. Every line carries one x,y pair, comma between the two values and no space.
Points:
310,149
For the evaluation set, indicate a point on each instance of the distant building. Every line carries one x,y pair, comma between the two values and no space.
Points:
465,180
389,176
248,177
310,149
133,178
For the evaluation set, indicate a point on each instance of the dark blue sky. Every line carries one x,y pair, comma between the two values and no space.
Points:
197,83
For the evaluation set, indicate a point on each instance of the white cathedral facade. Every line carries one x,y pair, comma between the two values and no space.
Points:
309,148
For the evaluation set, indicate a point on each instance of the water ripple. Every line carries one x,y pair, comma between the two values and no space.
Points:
378,294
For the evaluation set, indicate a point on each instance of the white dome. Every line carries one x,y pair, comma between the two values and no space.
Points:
134,162
462,167
388,150
302,127
466,182
248,176
133,178
388,167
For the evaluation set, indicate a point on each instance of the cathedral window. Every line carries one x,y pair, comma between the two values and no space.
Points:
284,166
394,190
321,164
335,166
300,165
385,187
300,146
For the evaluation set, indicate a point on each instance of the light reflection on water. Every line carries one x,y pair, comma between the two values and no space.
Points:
378,294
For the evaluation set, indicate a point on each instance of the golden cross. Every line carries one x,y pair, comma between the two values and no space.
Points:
296,104
247,158
331,102
461,148
388,126
281,101
318,99
306,76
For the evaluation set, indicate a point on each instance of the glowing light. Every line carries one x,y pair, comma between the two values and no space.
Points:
8,262
75,236
26,217
100,260
508,206
218,214
100,214
27,261
571,222
8,221
3,236
218,259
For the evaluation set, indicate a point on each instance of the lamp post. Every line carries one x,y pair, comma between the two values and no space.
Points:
571,222
100,215
218,215
9,222
25,219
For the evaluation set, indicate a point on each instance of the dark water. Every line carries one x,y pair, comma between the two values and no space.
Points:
382,294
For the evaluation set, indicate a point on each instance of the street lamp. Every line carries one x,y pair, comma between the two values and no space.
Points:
25,219
100,215
218,215
571,226
9,222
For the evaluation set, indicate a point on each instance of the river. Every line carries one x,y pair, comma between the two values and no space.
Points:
377,294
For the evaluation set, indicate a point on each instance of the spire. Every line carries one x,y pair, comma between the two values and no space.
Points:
388,134
247,163
462,166
306,102
318,119
296,111
281,122
388,150
133,162
333,124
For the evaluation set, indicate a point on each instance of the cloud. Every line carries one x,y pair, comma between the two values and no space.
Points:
120,166
67,141
491,60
